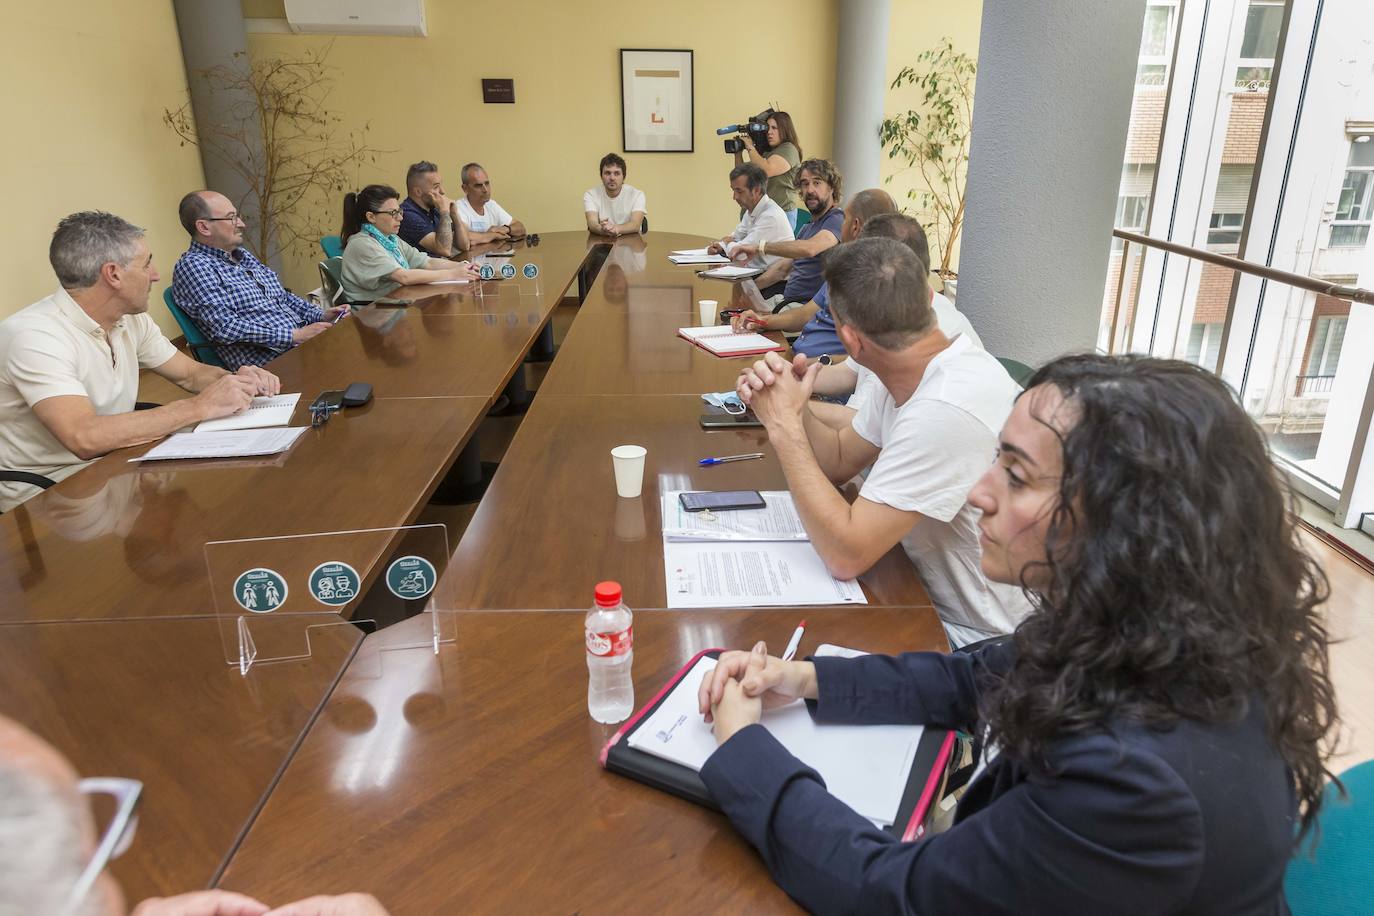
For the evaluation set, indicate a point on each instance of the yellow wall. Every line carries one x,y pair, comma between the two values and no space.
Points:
85,86
422,99
916,26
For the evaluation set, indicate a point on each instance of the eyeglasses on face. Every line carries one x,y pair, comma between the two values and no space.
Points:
394,214
230,218
116,838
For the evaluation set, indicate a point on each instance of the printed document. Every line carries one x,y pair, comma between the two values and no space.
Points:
864,766
262,412
732,273
711,574
233,443
777,521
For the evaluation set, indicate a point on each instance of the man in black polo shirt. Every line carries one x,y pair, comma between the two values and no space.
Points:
429,219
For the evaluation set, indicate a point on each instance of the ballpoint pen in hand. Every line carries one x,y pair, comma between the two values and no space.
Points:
792,644
707,462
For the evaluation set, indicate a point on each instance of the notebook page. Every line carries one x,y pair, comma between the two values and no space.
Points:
229,443
261,412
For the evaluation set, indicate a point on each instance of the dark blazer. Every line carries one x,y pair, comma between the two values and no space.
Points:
1196,819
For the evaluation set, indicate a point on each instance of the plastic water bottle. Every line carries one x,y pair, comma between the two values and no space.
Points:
609,635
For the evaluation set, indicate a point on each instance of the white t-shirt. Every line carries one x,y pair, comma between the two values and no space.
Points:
951,321
617,209
492,215
53,348
935,447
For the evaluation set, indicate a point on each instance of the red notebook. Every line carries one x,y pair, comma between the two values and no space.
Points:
720,340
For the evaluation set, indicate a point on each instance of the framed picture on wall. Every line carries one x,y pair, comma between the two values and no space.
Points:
656,100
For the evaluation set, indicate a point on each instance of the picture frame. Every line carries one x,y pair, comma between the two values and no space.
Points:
657,110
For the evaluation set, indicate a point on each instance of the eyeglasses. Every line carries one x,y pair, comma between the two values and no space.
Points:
394,214
232,218
118,836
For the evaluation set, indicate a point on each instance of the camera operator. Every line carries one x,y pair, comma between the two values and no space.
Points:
779,162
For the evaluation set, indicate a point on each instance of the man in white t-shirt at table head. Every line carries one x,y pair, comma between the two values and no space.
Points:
69,363
615,208
929,431
485,219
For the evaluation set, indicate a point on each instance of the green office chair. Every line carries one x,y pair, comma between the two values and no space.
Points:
199,344
1333,877
803,217
331,280
332,246
1020,373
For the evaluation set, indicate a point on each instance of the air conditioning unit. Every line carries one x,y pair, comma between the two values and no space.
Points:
357,17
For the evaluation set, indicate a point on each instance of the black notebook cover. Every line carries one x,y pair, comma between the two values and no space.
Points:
927,770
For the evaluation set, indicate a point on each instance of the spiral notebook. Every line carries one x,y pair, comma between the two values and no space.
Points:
261,413
721,340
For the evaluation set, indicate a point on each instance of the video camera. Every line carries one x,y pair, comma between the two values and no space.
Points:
756,127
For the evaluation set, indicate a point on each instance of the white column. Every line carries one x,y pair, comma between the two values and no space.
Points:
1051,107
860,88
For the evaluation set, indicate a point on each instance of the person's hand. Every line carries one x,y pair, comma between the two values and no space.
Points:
746,321
771,680
335,312
776,389
502,232
227,395
266,383
201,903
442,202
749,142
301,335
743,253
465,270
342,905
716,248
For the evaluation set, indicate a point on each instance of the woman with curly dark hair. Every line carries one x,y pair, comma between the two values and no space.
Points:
1157,727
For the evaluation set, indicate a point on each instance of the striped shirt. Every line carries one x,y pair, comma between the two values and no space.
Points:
239,304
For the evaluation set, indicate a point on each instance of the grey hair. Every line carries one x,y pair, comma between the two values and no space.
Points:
467,171
879,287
42,850
85,242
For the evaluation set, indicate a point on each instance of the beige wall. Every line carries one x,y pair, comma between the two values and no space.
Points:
85,87
916,26
422,99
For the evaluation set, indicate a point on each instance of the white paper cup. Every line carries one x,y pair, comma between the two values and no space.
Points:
629,469
709,311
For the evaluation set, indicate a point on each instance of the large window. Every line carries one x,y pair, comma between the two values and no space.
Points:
1260,42
1350,226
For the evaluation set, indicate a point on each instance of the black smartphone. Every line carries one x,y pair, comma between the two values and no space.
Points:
728,420
722,500
328,400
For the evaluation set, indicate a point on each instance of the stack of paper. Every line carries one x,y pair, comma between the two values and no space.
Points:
864,766
746,558
232,443
696,256
262,412
732,273
722,340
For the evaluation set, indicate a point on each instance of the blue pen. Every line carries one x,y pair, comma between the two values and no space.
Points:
707,462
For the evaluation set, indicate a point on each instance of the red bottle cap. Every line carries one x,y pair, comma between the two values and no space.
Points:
607,594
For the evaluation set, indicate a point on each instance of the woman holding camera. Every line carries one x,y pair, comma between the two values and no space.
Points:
780,163
1157,730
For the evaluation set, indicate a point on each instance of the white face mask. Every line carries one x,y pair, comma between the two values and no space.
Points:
727,401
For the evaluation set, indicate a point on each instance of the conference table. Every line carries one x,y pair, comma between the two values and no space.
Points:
103,578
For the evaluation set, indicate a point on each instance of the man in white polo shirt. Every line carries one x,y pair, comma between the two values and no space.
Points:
929,430
615,208
763,220
485,219
69,363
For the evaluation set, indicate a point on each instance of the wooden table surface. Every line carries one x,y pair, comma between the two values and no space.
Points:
153,700
551,525
469,782
128,540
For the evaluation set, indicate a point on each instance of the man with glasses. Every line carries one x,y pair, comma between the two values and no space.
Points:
233,297
69,363
53,855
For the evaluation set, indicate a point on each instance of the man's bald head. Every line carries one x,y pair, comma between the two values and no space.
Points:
861,208
211,219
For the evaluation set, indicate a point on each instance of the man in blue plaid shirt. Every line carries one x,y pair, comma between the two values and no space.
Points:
235,299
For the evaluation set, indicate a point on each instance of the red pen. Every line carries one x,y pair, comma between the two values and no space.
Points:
794,642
